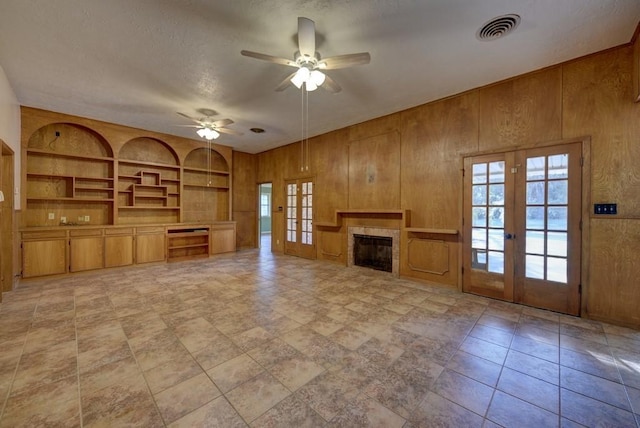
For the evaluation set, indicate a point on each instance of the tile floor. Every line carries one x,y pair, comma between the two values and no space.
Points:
255,339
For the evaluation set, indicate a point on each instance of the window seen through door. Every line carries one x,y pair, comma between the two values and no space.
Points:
487,211
547,211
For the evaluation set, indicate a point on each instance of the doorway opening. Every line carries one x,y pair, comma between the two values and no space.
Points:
264,217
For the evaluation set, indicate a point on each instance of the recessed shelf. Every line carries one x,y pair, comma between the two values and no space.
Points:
211,171
67,155
79,199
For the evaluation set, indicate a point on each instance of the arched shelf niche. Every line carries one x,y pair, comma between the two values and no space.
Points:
69,177
72,139
148,182
206,181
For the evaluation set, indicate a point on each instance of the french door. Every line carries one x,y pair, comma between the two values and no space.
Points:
299,239
522,214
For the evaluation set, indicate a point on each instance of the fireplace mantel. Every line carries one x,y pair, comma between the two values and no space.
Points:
367,213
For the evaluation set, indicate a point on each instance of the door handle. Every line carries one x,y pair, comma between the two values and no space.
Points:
509,236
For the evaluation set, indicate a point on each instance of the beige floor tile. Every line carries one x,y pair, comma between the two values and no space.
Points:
256,396
216,413
180,399
234,372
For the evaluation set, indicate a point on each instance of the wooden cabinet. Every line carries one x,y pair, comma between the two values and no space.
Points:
86,250
187,242
223,238
44,257
150,244
118,247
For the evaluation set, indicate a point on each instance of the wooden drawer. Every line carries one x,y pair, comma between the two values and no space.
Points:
45,234
119,231
85,232
149,229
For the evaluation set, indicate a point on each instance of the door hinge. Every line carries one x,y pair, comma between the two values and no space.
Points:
580,225
579,288
463,172
514,170
581,161
462,270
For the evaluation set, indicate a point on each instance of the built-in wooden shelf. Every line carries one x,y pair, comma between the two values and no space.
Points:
431,231
187,242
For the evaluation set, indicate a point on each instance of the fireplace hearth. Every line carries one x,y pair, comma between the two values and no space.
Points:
373,251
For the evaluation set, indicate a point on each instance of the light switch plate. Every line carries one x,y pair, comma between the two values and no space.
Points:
86,218
52,216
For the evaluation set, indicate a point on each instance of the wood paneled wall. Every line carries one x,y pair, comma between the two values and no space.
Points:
244,200
592,96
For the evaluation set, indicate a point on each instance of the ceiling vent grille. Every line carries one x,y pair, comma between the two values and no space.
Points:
498,27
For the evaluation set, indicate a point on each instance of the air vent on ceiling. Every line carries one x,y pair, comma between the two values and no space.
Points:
498,27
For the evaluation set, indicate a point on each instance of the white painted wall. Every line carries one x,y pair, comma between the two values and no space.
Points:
10,128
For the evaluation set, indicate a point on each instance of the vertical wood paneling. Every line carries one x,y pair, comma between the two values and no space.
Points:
614,294
598,101
245,199
374,172
521,111
433,138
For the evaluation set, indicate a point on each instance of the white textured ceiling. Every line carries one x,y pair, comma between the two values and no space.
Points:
138,62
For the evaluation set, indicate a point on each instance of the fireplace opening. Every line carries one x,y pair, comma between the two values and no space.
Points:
373,251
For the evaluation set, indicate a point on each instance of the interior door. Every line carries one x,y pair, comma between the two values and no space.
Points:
299,239
522,214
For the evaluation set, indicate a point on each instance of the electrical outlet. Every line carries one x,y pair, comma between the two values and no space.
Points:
87,218
52,216
80,218
63,220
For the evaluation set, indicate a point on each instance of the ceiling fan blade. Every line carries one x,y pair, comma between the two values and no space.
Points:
330,85
189,126
306,37
229,131
285,83
269,58
221,122
190,118
343,61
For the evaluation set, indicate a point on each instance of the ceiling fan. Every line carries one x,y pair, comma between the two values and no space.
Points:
210,129
310,65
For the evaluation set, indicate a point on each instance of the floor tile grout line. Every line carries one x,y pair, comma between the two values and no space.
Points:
75,328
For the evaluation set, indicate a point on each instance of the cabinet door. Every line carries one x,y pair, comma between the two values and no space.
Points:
86,254
150,248
222,240
118,251
44,257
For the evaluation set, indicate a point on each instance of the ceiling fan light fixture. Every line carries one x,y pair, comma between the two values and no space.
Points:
208,133
301,76
317,77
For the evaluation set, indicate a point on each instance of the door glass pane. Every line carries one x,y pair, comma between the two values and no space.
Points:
479,217
534,266
496,239
535,218
559,166
496,194
535,168
479,238
557,218
534,242
479,173
479,195
557,244
496,172
496,262
535,192
558,192
291,212
557,269
307,213
496,217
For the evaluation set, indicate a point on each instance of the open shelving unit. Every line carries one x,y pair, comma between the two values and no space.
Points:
187,242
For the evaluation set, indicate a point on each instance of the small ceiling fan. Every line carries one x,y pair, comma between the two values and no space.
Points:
208,128
310,65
